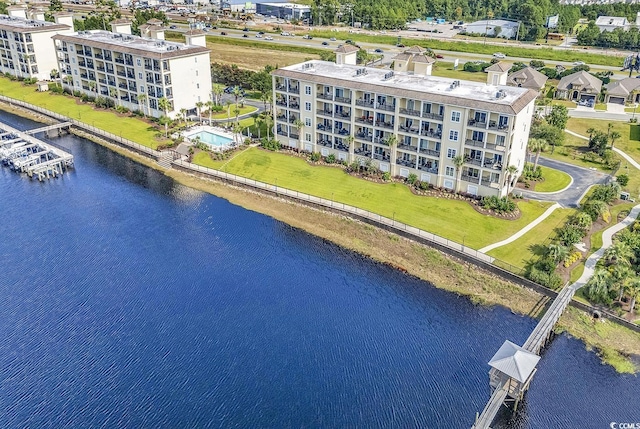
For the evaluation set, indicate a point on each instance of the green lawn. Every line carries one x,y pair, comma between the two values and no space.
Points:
596,238
529,245
131,128
446,70
554,180
230,114
440,216
628,143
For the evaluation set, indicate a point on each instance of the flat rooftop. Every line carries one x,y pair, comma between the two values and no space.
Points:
132,44
500,98
23,25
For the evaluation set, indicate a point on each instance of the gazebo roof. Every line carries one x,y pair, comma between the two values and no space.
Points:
514,361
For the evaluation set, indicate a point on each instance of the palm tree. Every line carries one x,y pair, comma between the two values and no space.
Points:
68,79
265,97
165,105
537,146
236,111
609,128
512,172
210,105
299,125
458,161
614,136
199,106
183,113
142,98
620,274
597,288
351,142
237,131
633,289
113,93
392,141
597,207
269,121
217,90
92,86
259,123
619,253
558,252
591,131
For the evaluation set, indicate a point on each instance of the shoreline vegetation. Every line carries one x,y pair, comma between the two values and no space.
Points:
615,344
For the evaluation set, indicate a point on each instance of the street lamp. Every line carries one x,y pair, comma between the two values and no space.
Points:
635,105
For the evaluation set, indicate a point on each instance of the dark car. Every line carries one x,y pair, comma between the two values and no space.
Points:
349,42
222,33
400,45
245,35
378,51
325,43
245,29
439,56
261,32
173,27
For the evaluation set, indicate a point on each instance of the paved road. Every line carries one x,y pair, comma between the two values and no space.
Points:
599,114
570,197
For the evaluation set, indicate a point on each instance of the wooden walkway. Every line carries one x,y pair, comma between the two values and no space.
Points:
487,416
48,128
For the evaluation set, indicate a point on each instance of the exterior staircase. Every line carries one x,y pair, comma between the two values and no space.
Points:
166,158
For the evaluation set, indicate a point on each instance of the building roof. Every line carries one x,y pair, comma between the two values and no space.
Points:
527,78
402,56
616,21
195,32
467,94
155,21
423,59
148,27
493,23
346,49
500,67
623,87
514,361
415,49
581,79
153,48
120,21
22,25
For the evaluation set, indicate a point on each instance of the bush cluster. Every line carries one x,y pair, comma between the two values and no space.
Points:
500,205
572,258
270,144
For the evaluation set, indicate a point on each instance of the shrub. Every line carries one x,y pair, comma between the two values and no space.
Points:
623,179
330,159
530,174
315,156
607,193
413,178
424,185
386,176
500,205
122,109
270,144
572,258
570,235
544,278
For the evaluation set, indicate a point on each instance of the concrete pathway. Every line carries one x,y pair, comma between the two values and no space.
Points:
523,231
582,180
615,149
607,240
598,114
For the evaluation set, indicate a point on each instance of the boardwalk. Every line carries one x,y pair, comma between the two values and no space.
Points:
47,128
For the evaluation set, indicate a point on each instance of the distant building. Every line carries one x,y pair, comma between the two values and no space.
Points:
579,86
622,91
507,29
497,73
26,48
610,23
413,60
286,11
528,78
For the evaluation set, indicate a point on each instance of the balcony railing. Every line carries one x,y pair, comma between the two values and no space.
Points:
388,125
432,116
493,125
381,157
431,133
496,147
407,147
364,103
294,89
387,107
470,179
294,136
475,143
473,161
344,100
325,143
406,163
282,132
490,163
342,146
424,167
409,130
281,103
325,96
478,124
409,112
343,114
362,151
366,137
323,127
490,183
429,151
294,106
365,120
343,131
328,113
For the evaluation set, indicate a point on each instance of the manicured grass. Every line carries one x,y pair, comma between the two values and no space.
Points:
566,103
130,128
229,113
600,106
530,245
554,180
628,143
571,152
576,273
446,70
440,216
596,237
203,159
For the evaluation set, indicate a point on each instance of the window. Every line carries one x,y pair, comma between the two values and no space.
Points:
307,137
307,122
307,90
453,135
142,89
196,58
451,153
139,75
138,62
455,116
450,171
307,106
197,86
196,72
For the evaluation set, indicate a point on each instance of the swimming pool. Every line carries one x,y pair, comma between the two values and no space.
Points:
211,138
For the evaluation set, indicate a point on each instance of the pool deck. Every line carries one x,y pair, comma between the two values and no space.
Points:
212,130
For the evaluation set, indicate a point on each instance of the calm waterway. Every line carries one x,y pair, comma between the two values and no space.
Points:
130,301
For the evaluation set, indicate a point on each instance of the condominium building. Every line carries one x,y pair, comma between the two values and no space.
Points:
135,71
406,122
26,48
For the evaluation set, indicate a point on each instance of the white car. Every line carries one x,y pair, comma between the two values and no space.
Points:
258,36
578,63
268,38
499,55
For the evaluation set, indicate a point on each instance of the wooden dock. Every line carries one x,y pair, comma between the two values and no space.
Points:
24,153
47,128
505,388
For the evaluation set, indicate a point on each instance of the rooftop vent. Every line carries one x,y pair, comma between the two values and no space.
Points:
307,66
361,72
388,75
501,94
454,84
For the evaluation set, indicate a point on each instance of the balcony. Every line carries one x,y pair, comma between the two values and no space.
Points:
281,103
381,157
343,114
408,129
490,183
323,127
122,85
362,151
387,107
121,73
432,116
470,179
365,120
431,133
100,68
380,140
343,100
282,132
363,136
294,106
292,119
388,125
282,118
491,163
427,168
474,143
325,97
328,113
430,152
342,147
119,60
294,136
325,143
473,161
281,88
111,83
406,163
343,131
493,125
477,124
497,147
411,112
103,81
407,147
84,75
364,103
100,56
294,89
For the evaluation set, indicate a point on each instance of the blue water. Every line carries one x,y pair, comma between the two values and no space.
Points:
211,138
130,301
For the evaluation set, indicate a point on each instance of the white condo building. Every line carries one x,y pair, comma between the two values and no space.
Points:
136,71
26,49
433,120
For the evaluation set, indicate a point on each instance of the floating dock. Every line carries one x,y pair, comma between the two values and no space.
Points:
23,153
